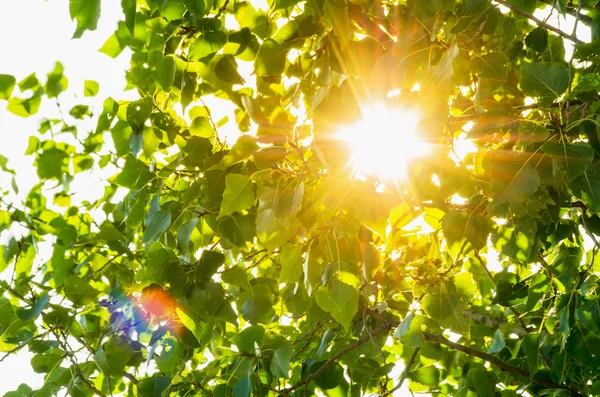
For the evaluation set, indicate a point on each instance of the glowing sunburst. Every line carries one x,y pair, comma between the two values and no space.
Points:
384,141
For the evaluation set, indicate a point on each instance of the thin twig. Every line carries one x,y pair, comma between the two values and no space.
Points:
188,355
497,362
586,19
405,373
336,356
491,277
539,22
71,356
484,356
310,336
574,34
222,9
131,377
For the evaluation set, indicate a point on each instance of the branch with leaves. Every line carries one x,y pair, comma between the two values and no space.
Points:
539,22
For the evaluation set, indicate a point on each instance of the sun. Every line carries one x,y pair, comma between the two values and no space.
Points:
384,141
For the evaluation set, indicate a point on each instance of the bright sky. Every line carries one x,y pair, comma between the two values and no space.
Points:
35,47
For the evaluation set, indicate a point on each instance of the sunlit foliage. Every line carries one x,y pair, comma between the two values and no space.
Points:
251,256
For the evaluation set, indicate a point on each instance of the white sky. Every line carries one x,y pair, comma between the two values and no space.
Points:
34,44
34,34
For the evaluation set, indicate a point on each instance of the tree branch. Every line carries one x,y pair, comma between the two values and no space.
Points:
573,12
476,353
539,22
310,336
131,377
404,375
71,356
336,356
497,362
516,109
512,309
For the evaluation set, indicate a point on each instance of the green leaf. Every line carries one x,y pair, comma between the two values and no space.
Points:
138,112
157,268
330,378
573,158
87,13
586,50
544,79
22,391
158,224
587,186
568,260
24,107
112,357
79,291
209,263
245,147
280,364
238,195
440,306
249,338
538,287
492,66
340,300
257,310
516,238
589,315
509,289
7,313
56,82
7,84
425,9
45,363
519,185
91,88
207,44
165,72
154,386
197,7
227,70
189,83
271,58
583,346
404,326
465,232
428,375
30,82
7,253
481,381
326,340
129,10
465,284
243,387
530,348
291,263
524,5
33,311
537,40
472,9
498,343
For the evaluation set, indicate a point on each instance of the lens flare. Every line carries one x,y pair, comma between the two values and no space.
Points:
384,141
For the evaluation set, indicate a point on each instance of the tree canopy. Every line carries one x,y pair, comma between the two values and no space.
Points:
266,266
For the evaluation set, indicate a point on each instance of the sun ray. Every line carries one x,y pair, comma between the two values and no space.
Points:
384,141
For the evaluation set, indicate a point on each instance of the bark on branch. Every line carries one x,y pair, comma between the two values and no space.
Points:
573,12
336,356
539,22
497,362
476,353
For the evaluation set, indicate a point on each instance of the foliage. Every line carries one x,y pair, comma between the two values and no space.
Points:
265,267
